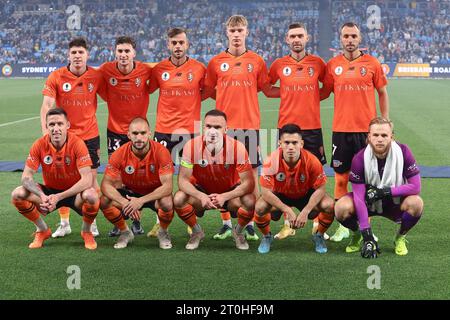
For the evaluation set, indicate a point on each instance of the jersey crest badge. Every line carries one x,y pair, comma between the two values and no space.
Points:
90,87
138,82
48,159
363,71
311,71
66,87
67,160
113,81
250,67
190,76
129,169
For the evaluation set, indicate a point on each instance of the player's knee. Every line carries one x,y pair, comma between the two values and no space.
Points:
104,203
18,193
90,196
327,205
180,199
248,202
260,207
413,205
343,208
166,204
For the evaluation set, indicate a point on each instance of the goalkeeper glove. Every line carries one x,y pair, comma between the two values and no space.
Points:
370,248
374,194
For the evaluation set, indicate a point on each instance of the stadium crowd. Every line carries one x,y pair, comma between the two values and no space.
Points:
41,35
411,32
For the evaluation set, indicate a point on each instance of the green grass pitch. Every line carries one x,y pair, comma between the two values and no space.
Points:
217,270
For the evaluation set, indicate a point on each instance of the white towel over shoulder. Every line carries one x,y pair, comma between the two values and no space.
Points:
392,175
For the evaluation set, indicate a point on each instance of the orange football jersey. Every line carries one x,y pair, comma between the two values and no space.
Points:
237,81
180,99
77,95
293,183
299,90
140,176
215,173
127,95
354,83
59,167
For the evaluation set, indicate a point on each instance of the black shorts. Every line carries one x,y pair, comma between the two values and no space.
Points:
250,138
125,192
344,146
115,141
67,202
313,143
174,143
297,203
93,146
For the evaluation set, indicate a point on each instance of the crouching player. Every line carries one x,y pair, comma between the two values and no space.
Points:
66,171
293,177
215,173
385,181
138,175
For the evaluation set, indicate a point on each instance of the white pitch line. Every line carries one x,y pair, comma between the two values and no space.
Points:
18,121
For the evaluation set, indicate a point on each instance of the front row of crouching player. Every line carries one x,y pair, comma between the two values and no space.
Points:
215,173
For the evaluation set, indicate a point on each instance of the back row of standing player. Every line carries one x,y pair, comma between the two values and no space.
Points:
233,78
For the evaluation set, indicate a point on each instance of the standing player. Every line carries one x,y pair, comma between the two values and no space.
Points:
353,77
138,175
127,98
299,74
215,173
236,75
67,175
293,177
385,181
180,81
74,88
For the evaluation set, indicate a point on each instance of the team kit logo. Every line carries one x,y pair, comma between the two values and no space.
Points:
67,160
66,87
48,159
338,70
287,71
311,71
113,81
90,87
224,67
250,67
190,76
138,82
129,169
165,76
363,71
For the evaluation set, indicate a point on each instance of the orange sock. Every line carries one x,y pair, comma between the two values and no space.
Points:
187,214
244,217
165,218
64,213
115,217
90,211
325,221
263,223
340,184
27,209
225,215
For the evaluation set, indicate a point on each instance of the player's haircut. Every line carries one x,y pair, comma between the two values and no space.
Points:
236,20
290,128
172,32
216,113
349,25
139,119
297,25
56,112
381,120
78,42
125,40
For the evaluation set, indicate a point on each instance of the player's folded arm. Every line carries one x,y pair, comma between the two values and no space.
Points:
315,198
269,197
84,183
162,191
184,182
28,181
109,187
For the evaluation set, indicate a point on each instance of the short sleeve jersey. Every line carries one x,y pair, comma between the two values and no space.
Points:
237,81
216,173
354,83
127,95
141,176
179,100
77,95
60,168
293,183
299,85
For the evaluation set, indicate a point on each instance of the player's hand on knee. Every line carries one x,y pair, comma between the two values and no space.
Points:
370,248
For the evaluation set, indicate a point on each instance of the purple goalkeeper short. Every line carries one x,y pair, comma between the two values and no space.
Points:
390,209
